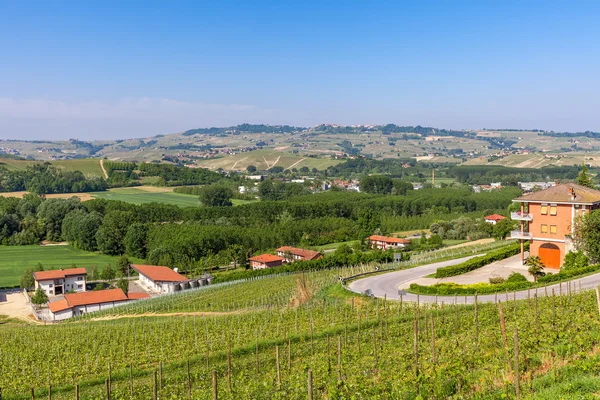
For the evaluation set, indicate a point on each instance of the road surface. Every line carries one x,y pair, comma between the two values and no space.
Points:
386,285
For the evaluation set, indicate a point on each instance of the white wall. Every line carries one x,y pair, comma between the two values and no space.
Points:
62,315
72,283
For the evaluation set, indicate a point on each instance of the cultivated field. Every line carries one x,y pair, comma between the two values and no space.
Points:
265,159
89,166
15,259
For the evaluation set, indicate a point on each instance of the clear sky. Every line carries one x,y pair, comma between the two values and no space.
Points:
98,70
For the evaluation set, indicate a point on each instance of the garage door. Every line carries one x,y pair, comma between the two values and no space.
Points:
550,255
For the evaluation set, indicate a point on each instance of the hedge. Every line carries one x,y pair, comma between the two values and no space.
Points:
478,262
446,289
568,273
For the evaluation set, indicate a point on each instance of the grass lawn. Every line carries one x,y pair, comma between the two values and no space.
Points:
454,242
333,246
15,259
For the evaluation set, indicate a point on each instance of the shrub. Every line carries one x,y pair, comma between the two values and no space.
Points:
495,280
569,273
446,289
478,262
575,260
516,277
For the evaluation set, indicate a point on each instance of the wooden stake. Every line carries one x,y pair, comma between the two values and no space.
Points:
160,380
310,385
339,358
598,298
328,355
416,347
432,341
49,392
131,380
107,387
215,391
476,322
289,354
256,356
278,368
517,388
229,366
503,329
374,347
189,378
76,392
155,388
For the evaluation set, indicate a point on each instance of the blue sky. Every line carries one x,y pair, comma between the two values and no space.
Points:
98,70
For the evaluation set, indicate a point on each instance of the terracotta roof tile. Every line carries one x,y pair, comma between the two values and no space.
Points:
137,296
388,239
305,254
561,194
95,297
494,217
159,273
59,305
266,258
58,273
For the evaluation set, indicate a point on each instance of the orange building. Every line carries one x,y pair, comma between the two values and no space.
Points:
548,218
266,261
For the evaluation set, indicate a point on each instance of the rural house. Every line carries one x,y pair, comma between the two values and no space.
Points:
161,279
60,281
493,219
81,303
266,261
291,254
385,243
547,219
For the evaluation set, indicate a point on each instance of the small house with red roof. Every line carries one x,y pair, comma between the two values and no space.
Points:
266,261
291,254
75,304
160,279
60,281
385,242
494,218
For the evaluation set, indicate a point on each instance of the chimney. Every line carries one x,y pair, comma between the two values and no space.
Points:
572,193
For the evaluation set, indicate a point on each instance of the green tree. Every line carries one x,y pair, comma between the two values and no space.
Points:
251,169
216,196
108,273
123,284
503,228
39,297
584,178
123,265
376,184
587,235
111,235
27,280
135,240
536,267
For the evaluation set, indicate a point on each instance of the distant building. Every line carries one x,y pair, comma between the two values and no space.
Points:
82,303
530,186
161,279
385,243
266,261
60,281
256,177
494,218
298,254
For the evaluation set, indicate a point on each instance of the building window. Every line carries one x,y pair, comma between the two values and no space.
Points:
544,210
80,278
552,228
79,286
544,228
50,285
552,210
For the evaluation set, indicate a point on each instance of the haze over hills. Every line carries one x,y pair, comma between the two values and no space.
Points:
236,147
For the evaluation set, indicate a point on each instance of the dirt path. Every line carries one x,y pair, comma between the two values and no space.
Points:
266,162
14,305
103,170
177,314
235,163
275,163
297,162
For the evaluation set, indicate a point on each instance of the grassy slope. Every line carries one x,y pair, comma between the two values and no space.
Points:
15,259
89,166
138,196
264,159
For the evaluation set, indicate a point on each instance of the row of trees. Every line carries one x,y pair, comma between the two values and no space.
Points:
45,179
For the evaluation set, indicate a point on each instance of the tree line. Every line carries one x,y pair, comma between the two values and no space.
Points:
44,178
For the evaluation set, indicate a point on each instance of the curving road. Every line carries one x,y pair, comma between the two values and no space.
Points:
387,285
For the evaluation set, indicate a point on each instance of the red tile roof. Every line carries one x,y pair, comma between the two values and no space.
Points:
58,274
562,194
93,297
137,296
159,273
388,239
494,217
305,254
266,258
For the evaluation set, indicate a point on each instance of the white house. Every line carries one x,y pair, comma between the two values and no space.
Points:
81,303
60,281
494,218
160,279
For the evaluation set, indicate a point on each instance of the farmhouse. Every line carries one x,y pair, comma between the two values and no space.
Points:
291,254
494,218
60,281
384,242
161,279
548,219
266,261
81,303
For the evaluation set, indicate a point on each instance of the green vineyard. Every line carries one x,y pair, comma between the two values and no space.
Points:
262,337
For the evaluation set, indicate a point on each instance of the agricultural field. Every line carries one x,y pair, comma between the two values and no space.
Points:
89,166
16,259
265,159
264,338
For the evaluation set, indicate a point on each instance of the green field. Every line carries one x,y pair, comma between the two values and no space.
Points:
15,259
140,196
89,166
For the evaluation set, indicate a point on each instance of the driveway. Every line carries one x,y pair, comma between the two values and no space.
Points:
15,305
387,285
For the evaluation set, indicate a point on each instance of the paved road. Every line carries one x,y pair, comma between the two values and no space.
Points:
387,284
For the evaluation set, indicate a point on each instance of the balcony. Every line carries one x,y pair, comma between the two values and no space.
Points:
521,216
520,235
